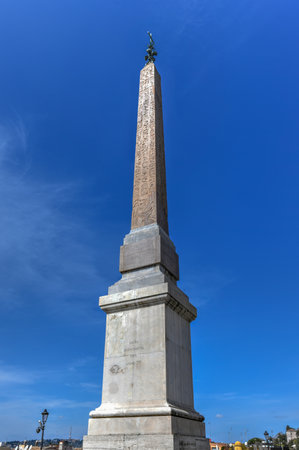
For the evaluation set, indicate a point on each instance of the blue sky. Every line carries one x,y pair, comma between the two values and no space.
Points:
69,86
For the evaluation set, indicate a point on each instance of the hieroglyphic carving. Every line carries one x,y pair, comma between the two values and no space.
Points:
149,195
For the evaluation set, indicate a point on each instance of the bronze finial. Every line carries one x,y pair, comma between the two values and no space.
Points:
151,52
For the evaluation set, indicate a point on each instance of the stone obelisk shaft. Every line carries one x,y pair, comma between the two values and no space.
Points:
149,196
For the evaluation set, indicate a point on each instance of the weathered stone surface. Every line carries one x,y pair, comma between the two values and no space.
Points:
138,361
147,393
164,293
147,381
147,246
149,196
145,425
147,257
145,442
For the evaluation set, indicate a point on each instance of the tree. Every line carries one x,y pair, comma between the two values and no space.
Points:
294,443
254,440
280,439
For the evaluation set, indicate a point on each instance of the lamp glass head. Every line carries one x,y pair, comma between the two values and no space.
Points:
45,416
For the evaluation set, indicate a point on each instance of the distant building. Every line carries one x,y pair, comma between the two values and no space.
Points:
4,446
23,446
50,447
291,434
64,445
218,445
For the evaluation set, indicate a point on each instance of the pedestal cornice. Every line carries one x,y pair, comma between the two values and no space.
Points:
166,293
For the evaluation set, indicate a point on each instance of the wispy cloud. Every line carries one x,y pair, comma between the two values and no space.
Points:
38,403
49,261
10,375
26,410
205,285
24,393
90,386
237,25
46,251
229,396
19,375
81,362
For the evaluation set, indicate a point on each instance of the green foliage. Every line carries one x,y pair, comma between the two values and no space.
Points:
281,439
294,443
254,440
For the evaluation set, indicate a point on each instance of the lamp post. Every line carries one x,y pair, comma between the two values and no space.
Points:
266,434
41,427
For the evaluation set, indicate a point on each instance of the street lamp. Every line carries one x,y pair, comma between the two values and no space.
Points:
266,434
41,427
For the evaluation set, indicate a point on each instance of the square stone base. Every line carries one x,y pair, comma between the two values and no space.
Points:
145,442
148,430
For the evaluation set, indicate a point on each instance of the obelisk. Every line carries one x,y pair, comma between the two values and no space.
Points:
147,393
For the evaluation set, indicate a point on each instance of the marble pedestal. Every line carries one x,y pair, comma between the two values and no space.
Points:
147,396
